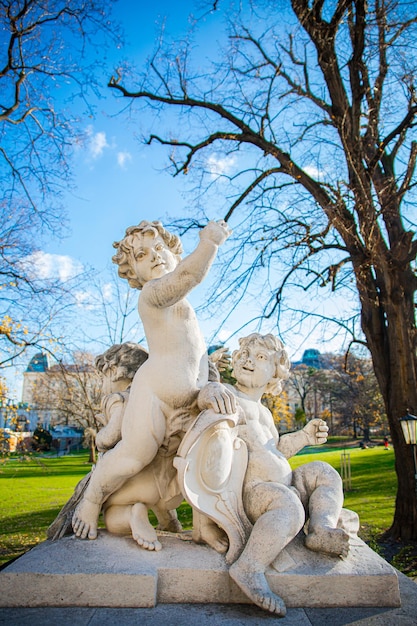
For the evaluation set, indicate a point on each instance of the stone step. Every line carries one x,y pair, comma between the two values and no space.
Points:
114,572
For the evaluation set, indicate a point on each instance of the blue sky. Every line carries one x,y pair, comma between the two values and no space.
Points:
116,178
119,181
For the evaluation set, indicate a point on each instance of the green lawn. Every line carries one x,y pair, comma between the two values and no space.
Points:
33,490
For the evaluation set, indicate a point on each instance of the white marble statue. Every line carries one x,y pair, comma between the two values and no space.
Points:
276,499
117,367
232,465
156,488
163,396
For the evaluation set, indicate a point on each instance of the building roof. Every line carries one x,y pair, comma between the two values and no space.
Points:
38,363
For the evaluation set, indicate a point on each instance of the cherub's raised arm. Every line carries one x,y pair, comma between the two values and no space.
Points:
190,272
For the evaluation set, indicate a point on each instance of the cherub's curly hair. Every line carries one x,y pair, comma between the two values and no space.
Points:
125,246
275,345
126,357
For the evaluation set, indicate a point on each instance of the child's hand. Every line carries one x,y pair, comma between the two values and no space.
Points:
217,397
221,359
216,232
316,431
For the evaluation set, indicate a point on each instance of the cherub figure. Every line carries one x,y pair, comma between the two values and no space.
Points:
117,367
277,499
163,395
124,510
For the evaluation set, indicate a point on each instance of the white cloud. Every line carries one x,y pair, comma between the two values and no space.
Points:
97,144
85,300
123,158
218,165
89,300
312,171
223,335
107,292
44,265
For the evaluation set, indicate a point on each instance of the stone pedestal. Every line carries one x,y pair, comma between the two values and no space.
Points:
114,572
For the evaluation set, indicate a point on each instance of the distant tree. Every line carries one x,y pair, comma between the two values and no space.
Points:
303,383
279,407
8,408
41,440
313,107
299,417
71,394
51,55
112,308
356,401
3,391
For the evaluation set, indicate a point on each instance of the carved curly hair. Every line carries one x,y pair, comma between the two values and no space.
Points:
281,359
126,357
125,246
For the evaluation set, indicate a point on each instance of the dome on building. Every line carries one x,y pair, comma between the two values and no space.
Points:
38,363
311,358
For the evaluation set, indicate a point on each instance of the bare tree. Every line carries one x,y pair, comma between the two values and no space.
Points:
112,306
304,384
352,390
51,55
29,302
71,393
320,125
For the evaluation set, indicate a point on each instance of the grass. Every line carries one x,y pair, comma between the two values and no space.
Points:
34,488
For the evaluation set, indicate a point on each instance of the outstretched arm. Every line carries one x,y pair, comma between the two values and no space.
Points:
313,434
190,272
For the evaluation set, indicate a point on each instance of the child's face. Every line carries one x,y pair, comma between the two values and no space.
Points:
151,258
254,366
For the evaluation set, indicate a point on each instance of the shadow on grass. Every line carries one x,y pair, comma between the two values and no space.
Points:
20,533
33,467
321,450
34,522
29,473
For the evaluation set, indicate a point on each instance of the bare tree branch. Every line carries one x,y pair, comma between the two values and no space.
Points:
323,181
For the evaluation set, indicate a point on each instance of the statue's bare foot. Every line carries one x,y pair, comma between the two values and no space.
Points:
84,520
142,531
213,536
255,586
333,541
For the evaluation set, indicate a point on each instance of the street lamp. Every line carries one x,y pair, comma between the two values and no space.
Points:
409,426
